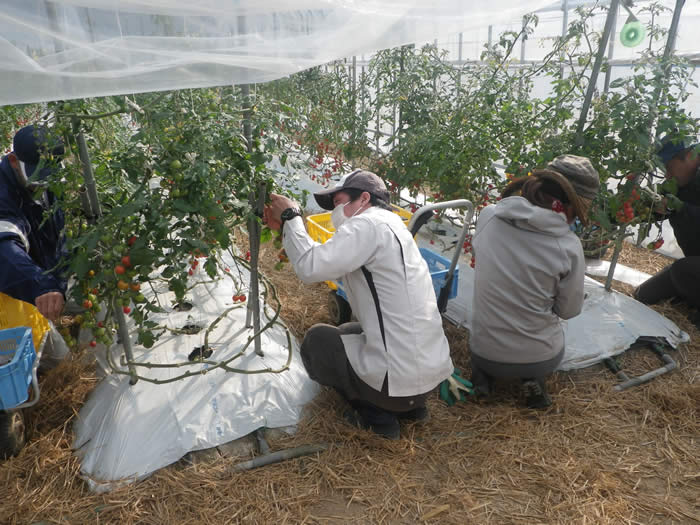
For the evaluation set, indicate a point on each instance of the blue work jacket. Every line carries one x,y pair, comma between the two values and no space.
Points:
27,272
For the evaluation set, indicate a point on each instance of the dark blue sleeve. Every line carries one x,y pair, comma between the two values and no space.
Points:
690,213
20,277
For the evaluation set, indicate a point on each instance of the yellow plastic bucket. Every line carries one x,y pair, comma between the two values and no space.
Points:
14,313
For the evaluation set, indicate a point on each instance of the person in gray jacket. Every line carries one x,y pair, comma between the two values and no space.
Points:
385,364
529,275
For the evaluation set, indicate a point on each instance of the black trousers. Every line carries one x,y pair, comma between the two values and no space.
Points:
484,371
679,280
326,362
540,369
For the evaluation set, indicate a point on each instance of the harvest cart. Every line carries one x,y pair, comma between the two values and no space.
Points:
444,272
23,330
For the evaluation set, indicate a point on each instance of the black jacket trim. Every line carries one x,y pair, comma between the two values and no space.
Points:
375,296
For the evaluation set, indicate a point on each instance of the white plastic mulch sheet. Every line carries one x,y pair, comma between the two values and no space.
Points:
123,433
625,274
609,323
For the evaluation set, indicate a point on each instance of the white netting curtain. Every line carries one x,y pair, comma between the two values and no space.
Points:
81,48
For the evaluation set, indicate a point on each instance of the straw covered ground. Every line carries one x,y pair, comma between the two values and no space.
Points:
595,457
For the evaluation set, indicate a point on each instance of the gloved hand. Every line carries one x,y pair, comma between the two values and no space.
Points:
454,388
673,203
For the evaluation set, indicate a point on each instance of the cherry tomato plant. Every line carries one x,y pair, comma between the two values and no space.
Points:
449,125
173,179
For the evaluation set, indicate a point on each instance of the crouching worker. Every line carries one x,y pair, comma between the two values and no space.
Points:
680,280
386,364
32,245
31,236
529,275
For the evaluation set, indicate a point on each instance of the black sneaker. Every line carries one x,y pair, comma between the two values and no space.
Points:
535,394
482,383
417,415
389,429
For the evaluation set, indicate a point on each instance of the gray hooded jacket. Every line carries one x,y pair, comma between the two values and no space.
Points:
529,275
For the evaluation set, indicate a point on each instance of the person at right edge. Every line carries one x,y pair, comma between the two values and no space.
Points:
680,280
529,275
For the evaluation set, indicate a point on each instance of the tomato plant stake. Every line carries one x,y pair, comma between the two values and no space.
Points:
256,199
125,340
91,187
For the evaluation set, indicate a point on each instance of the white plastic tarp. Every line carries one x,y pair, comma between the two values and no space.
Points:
52,50
608,325
126,432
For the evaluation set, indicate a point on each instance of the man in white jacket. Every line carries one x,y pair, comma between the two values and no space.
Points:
386,364
529,275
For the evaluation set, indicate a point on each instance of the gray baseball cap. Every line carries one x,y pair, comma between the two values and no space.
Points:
358,180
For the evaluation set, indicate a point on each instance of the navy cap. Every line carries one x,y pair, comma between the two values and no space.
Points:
31,142
670,148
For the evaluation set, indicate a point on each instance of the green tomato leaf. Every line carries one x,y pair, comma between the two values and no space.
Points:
265,234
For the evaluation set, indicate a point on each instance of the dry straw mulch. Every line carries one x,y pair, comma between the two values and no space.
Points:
595,457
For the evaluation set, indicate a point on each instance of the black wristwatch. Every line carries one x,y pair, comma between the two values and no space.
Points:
287,214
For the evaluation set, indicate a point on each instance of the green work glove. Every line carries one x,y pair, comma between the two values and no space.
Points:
673,203
454,388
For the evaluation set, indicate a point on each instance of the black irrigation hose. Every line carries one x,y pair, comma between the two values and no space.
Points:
219,364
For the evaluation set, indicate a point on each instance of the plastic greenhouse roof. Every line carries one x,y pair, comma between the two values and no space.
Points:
81,48
52,50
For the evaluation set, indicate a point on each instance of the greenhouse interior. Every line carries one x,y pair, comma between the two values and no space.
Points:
169,260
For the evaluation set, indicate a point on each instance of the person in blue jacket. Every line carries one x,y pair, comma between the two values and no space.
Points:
32,243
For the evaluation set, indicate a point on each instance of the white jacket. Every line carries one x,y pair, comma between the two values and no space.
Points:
390,291
529,274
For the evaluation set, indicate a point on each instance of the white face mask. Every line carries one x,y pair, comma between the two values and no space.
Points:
338,215
22,172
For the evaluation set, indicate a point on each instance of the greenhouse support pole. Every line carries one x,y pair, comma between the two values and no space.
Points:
611,50
596,69
672,32
353,138
564,29
522,41
666,63
565,17
354,73
124,338
376,135
435,78
363,76
522,56
402,69
490,37
53,24
85,201
459,45
254,200
89,177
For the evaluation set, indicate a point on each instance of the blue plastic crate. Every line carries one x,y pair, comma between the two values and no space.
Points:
17,355
438,267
